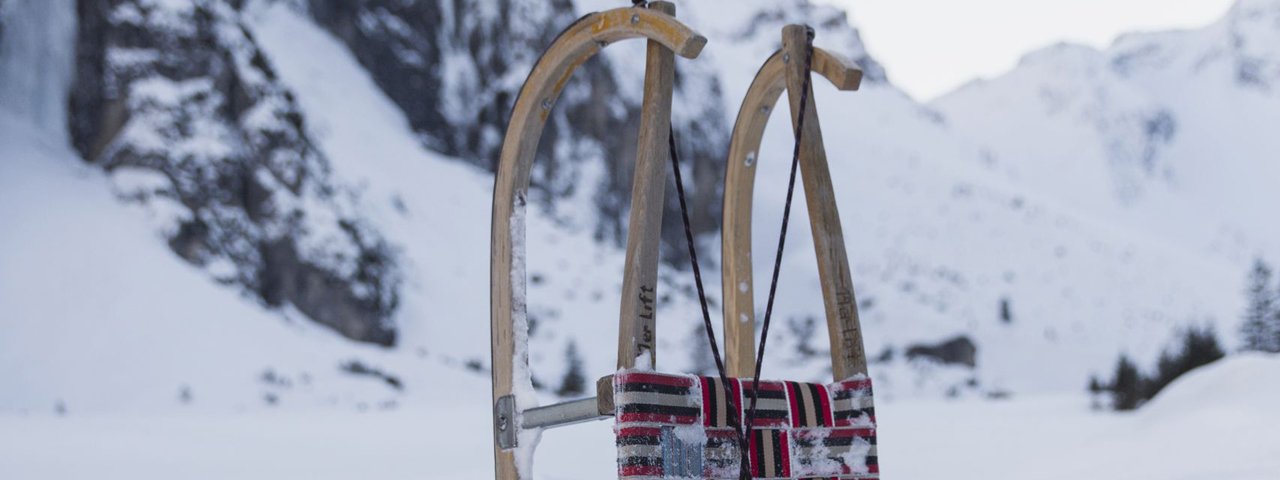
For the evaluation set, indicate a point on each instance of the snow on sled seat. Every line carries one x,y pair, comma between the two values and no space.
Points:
679,426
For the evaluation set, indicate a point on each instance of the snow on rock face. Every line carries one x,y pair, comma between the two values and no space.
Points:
762,20
1073,91
176,100
455,69
100,317
35,60
1256,28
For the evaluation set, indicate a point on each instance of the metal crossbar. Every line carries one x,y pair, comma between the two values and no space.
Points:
549,416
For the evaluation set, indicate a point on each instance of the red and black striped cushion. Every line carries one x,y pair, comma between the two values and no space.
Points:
679,426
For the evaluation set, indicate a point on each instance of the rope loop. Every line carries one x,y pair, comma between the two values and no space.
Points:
742,431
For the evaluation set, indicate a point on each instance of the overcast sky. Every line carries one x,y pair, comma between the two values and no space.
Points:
932,46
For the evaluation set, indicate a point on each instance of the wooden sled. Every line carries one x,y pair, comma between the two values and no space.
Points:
784,71
513,402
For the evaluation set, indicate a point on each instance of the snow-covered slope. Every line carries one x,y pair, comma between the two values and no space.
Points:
1171,133
1219,425
938,245
99,316
114,352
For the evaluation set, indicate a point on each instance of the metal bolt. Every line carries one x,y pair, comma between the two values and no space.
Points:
635,18
750,160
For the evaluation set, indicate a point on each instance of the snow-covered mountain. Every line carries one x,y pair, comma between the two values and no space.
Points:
282,163
939,243
1172,133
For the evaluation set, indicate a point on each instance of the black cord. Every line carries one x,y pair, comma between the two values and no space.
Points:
782,235
697,280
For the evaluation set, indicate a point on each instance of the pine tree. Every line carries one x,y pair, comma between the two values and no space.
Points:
1130,388
1096,392
574,381
1261,328
1199,347
1126,387
1275,317
1095,385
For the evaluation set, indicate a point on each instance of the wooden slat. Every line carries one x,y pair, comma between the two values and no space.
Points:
847,355
637,332
739,312
604,395
507,271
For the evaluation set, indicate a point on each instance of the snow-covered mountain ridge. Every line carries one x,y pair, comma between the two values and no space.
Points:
1170,132
942,243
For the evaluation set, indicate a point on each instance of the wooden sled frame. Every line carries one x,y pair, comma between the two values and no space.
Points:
784,71
513,411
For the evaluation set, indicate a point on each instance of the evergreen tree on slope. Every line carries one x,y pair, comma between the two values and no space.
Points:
1261,328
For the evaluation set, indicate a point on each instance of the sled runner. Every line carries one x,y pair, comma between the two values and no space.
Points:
784,71
516,420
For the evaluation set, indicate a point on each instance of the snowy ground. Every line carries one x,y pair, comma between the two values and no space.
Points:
1216,423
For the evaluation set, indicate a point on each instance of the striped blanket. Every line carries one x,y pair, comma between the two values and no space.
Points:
679,426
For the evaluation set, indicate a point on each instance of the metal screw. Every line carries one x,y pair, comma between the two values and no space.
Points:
786,58
502,423
635,18
546,103
750,160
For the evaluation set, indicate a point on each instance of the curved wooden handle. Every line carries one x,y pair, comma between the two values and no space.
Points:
782,71
588,35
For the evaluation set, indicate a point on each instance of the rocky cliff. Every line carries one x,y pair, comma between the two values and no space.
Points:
177,101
